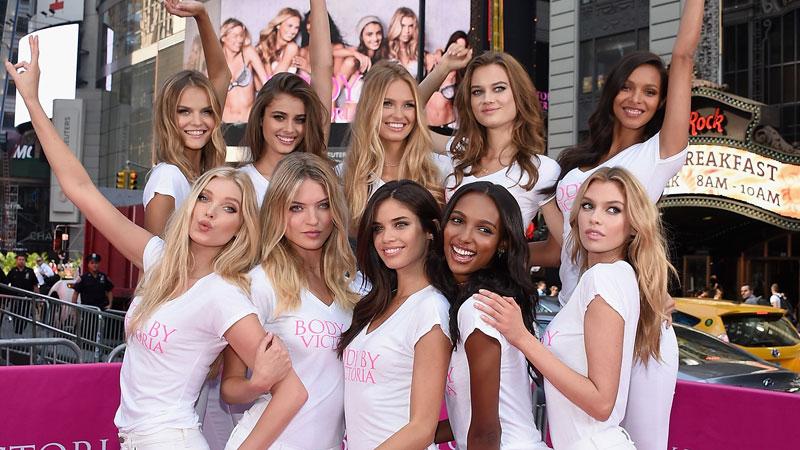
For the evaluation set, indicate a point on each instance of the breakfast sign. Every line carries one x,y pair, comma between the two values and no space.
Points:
726,168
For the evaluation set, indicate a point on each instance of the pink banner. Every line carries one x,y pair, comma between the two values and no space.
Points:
720,417
59,407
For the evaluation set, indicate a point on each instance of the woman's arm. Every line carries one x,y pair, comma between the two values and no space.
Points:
250,346
123,234
288,396
321,54
483,356
546,253
289,52
604,331
554,219
455,58
251,57
218,71
431,359
157,212
674,135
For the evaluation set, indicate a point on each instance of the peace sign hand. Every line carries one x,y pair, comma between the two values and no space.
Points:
27,81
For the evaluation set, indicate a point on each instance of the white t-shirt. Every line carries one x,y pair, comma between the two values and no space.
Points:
166,179
644,161
775,300
442,162
513,179
616,284
167,360
515,396
259,182
378,368
311,334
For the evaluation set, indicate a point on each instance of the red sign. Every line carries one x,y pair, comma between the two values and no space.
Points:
712,122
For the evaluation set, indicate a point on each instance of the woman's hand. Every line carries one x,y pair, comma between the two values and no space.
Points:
27,82
185,8
456,57
504,314
272,363
364,62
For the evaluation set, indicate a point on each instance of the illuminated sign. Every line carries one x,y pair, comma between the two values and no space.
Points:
740,175
712,122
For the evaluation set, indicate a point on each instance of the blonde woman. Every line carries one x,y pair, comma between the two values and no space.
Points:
243,61
186,127
301,291
276,43
613,318
389,139
403,37
192,300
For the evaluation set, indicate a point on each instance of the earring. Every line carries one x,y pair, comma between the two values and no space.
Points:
500,252
430,236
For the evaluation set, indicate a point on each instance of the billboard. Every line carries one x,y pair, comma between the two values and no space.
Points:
256,34
58,60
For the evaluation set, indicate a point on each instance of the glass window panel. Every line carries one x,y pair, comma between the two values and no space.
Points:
774,43
729,49
742,46
773,83
789,94
788,36
609,50
586,68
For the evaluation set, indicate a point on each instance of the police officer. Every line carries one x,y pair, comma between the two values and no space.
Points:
93,286
22,277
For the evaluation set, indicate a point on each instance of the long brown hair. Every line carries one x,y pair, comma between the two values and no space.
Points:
168,145
647,254
469,144
313,138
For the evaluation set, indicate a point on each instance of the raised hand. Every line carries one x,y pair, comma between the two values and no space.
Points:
185,8
504,314
456,57
27,82
272,362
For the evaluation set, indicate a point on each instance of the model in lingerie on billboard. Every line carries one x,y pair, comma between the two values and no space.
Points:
247,70
439,109
276,43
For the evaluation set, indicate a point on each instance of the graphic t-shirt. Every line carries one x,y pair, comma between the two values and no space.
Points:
378,367
311,334
166,179
259,182
168,358
644,161
513,179
515,397
616,284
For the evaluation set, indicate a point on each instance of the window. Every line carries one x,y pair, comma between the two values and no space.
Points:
598,56
754,330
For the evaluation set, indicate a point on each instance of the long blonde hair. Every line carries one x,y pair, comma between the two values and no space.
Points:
395,28
168,143
646,252
283,266
268,38
168,277
365,155
527,135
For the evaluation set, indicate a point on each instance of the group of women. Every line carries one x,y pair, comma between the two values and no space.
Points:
252,267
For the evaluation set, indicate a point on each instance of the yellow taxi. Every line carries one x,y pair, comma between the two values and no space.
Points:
760,330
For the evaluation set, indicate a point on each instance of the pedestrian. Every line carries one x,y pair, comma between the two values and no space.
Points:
45,275
541,288
194,281
22,277
488,394
397,349
554,291
748,297
612,319
93,286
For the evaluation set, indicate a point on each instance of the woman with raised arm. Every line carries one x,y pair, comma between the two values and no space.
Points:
289,115
489,398
396,351
186,125
389,140
191,302
302,294
242,60
614,315
639,125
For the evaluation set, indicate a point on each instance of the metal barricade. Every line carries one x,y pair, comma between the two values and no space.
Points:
61,350
117,354
95,332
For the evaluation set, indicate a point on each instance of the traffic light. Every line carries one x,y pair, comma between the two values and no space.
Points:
132,178
122,179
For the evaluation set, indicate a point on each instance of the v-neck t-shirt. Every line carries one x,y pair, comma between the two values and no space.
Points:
260,183
379,365
167,360
311,333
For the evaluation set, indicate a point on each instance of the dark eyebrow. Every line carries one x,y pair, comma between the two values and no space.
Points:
399,218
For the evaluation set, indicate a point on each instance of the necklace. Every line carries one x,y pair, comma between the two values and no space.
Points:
386,164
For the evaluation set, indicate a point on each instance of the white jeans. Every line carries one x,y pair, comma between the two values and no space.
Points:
611,439
173,438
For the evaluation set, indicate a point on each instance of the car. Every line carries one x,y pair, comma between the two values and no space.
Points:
547,305
706,359
760,330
